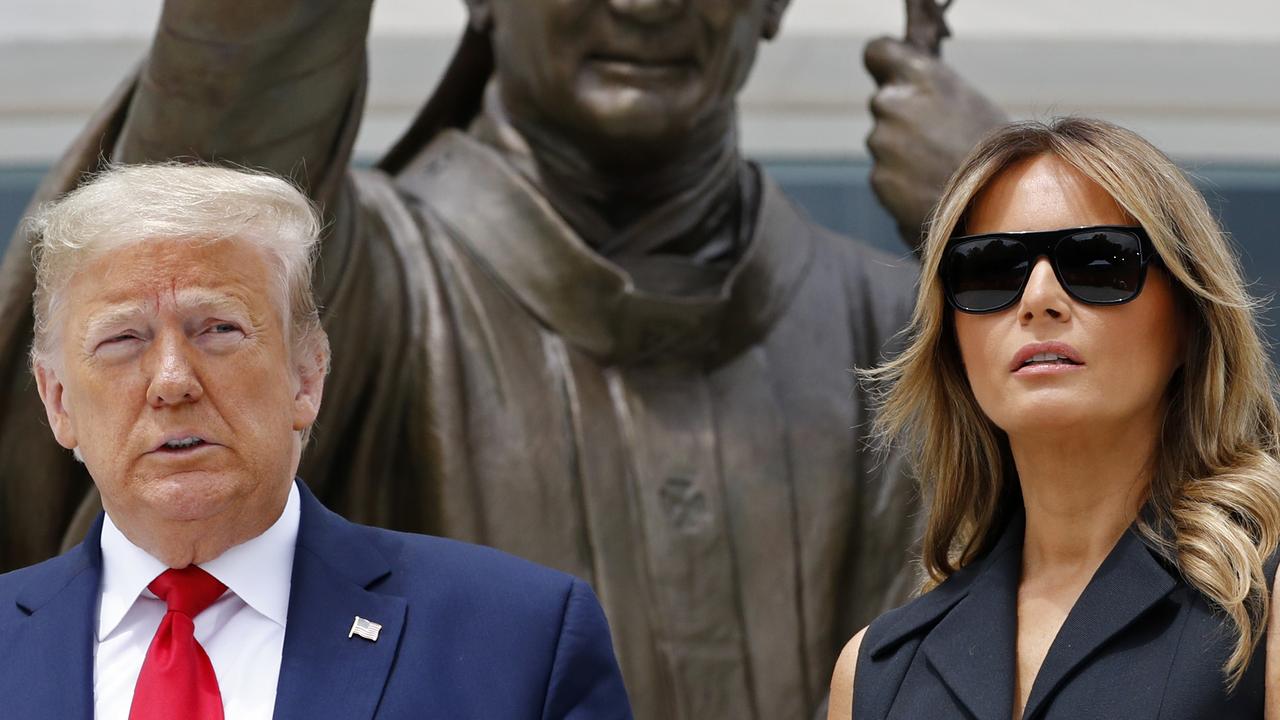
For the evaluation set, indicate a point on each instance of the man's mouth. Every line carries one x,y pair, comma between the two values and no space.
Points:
182,444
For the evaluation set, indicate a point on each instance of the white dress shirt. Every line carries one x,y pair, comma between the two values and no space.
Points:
242,632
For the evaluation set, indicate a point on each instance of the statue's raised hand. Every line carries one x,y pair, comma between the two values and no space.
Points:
927,118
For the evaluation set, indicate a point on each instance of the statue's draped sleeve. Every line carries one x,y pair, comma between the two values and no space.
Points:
273,85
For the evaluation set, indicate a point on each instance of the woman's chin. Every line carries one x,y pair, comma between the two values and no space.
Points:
1050,418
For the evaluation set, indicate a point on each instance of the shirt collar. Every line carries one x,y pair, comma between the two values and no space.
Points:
259,571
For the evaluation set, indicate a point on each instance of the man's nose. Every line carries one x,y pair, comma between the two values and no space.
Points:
1043,296
647,10
174,379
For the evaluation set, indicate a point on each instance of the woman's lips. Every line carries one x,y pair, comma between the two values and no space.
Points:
1047,369
1046,357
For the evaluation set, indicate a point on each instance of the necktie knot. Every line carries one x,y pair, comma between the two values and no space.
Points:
177,678
189,591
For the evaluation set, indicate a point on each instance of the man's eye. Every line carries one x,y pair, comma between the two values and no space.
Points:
224,328
116,344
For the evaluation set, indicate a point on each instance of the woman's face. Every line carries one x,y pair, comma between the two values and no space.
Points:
1127,353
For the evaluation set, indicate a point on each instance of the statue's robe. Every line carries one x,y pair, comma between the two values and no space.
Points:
698,460
702,461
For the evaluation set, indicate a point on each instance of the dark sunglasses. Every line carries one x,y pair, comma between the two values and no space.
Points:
1101,265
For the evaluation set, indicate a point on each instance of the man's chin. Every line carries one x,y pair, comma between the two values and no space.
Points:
190,496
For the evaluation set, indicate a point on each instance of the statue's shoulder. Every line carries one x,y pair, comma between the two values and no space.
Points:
881,286
871,276
873,265
388,208
444,186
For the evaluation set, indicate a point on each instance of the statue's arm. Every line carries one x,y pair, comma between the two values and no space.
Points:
881,573
274,85
896,507
927,118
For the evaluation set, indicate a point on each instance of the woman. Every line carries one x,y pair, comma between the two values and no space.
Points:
1091,413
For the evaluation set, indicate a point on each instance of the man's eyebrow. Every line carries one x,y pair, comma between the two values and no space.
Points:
114,315
210,301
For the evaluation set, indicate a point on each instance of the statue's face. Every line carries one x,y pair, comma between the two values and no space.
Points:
626,70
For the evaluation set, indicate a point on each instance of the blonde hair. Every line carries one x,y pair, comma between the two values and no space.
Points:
1215,491
128,204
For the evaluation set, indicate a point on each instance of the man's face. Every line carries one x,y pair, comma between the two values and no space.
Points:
626,70
172,375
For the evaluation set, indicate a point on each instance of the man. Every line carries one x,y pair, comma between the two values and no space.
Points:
579,326
179,354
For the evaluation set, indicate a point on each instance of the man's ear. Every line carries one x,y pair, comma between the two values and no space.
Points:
773,12
481,15
52,395
313,365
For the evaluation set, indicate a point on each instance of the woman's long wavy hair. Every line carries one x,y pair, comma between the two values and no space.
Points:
1215,489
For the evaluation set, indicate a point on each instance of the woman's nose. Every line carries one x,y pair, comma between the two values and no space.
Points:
1043,296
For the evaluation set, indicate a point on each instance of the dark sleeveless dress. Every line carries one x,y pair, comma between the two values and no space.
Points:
1139,644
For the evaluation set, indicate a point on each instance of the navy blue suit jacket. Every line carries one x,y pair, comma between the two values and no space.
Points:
467,632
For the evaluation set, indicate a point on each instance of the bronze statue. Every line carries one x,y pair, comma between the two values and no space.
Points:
568,320
927,118
927,25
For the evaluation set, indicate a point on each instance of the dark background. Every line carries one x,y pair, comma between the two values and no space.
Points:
836,193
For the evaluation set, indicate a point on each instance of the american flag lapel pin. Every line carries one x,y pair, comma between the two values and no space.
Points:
366,629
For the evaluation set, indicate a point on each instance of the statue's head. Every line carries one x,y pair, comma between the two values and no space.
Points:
644,72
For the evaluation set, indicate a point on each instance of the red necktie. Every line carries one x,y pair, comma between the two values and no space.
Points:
177,679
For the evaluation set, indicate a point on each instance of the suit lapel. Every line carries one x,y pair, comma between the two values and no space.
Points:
1127,584
323,672
972,648
46,669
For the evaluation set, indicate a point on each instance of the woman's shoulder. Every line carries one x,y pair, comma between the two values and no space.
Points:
840,706
875,644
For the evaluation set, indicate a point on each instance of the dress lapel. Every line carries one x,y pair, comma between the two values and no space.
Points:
323,672
972,648
46,668
1127,584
